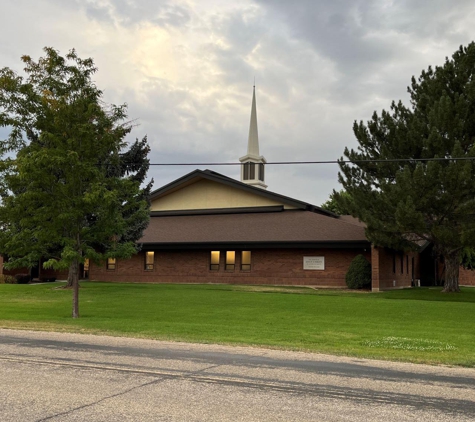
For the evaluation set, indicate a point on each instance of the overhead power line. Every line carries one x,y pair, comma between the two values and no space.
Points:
390,160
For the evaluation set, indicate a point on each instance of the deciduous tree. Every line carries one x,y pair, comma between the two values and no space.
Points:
334,205
71,189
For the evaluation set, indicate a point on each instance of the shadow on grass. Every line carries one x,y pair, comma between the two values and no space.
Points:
433,294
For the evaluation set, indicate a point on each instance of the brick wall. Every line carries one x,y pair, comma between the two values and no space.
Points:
387,271
278,266
466,277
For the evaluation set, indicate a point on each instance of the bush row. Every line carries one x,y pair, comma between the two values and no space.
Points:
22,279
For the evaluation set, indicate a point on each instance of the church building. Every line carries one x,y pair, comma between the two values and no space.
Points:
209,228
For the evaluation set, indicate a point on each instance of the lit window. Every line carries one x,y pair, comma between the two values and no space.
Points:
246,260
149,260
111,263
214,263
230,260
85,270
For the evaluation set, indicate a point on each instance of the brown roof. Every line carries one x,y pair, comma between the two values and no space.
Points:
352,220
285,226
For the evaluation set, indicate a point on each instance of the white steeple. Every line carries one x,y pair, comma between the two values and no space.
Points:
253,140
252,167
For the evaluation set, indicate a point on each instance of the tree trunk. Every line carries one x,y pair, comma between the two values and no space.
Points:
73,275
452,267
70,280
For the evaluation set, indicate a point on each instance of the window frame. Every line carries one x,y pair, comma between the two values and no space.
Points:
149,266
230,261
245,264
213,266
111,264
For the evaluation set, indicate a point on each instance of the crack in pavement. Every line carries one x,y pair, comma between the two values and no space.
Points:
84,406
155,382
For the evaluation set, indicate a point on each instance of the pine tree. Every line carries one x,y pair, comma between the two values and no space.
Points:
403,202
71,193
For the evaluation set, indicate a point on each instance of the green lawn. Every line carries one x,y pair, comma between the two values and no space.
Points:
418,325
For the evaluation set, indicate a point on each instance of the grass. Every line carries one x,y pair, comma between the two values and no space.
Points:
416,325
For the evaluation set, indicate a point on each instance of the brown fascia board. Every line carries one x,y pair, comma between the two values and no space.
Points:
217,177
355,244
215,211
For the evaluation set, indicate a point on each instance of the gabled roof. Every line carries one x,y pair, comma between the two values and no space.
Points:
197,175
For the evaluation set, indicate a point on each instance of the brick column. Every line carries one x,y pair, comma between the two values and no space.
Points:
374,269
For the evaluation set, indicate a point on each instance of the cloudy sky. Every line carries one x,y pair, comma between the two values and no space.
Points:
186,70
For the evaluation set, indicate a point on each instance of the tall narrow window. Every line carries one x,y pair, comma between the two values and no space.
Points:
246,260
246,170
111,263
149,260
394,262
85,271
214,262
230,260
407,264
252,172
261,172
402,263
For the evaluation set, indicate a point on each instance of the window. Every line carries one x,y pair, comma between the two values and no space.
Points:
394,263
246,171
85,269
252,171
402,263
149,260
246,261
407,264
214,262
111,263
230,260
261,172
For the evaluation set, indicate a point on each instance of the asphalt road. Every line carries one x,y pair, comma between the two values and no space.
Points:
72,377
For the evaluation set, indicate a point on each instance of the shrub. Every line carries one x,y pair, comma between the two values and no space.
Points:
359,273
7,279
22,278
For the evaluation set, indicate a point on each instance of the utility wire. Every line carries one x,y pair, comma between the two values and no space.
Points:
389,160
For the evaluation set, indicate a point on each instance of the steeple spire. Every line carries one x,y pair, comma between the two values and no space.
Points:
253,140
252,168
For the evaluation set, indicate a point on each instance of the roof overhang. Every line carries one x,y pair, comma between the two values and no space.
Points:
256,245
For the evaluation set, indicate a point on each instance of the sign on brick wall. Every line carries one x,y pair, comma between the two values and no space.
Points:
313,262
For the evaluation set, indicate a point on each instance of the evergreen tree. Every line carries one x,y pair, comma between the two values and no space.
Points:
405,201
71,192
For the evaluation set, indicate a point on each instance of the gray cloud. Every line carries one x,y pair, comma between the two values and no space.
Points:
161,12
186,70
